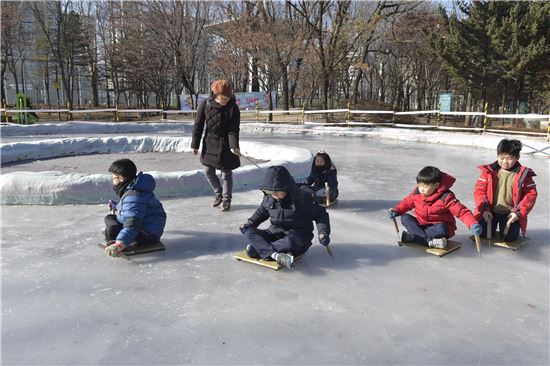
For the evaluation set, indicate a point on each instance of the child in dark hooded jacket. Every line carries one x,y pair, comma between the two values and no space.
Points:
291,213
140,217
435,207
322,171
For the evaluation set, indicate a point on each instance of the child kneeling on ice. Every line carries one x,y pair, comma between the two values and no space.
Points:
322,171
435,207
140,217
291,212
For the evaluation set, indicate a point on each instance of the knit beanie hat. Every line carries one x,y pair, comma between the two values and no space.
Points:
222,87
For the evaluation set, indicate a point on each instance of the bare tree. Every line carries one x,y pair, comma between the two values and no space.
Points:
63,31
13,41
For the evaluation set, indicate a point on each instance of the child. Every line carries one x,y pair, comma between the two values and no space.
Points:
505,192
140,217
322,171
435,207
291,213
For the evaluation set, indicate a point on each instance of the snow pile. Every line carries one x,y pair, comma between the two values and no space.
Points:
538,147
532,145
52,188
79,127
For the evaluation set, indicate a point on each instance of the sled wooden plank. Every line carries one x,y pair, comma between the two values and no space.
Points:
331,204
451,247
242,256
141,249
514,245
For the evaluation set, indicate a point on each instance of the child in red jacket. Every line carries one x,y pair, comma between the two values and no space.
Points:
505,192
435,208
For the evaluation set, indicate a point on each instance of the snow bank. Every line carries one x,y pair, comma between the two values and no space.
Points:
53,188
79,127
534,146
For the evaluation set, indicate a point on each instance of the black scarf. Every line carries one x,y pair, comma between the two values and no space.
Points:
120,188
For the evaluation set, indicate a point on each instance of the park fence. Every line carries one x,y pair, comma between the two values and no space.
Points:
345,114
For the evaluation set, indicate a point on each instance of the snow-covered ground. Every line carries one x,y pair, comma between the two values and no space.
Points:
64,302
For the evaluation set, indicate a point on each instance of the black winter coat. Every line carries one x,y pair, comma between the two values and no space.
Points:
318,178
221,133
296,212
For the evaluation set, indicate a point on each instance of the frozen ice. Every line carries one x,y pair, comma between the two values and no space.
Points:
65,302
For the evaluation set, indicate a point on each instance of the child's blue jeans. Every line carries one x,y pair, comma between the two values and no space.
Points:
424,233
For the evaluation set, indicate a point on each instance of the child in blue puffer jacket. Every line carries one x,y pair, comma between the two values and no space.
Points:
139,217
322,171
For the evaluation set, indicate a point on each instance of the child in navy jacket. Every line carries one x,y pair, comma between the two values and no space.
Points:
322,171
291,213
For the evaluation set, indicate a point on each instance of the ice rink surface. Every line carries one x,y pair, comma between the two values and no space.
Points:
65,302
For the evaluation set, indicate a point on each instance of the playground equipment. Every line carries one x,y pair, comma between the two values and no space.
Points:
23,101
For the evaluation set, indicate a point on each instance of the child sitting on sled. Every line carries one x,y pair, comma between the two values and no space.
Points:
435,207
139,217
291,213
505,192
322,171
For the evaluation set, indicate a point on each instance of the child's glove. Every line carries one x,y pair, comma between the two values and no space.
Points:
245,227
324,239
392,214
476,229
112,205
114,250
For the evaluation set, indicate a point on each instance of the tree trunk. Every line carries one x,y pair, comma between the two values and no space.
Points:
23,87
468,107
324,90
255,77
294,82
3,99
284,86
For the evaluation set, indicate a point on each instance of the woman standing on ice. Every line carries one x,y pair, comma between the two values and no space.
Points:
220,145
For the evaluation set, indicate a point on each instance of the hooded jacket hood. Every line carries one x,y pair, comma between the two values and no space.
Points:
446,181
144,183
278,178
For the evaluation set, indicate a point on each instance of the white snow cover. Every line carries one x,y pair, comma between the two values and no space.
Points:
83,128
538,147
53,188
532,145
58,188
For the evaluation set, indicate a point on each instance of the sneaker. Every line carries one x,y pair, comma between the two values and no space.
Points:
226,206
406,237
251,252
286,259
217,201
439,243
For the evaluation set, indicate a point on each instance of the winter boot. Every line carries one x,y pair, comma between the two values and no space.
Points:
286,259
251,252
217,201
406,237
226,206
439,243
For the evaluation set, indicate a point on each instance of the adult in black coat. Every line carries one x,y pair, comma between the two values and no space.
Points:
219,117
291,212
